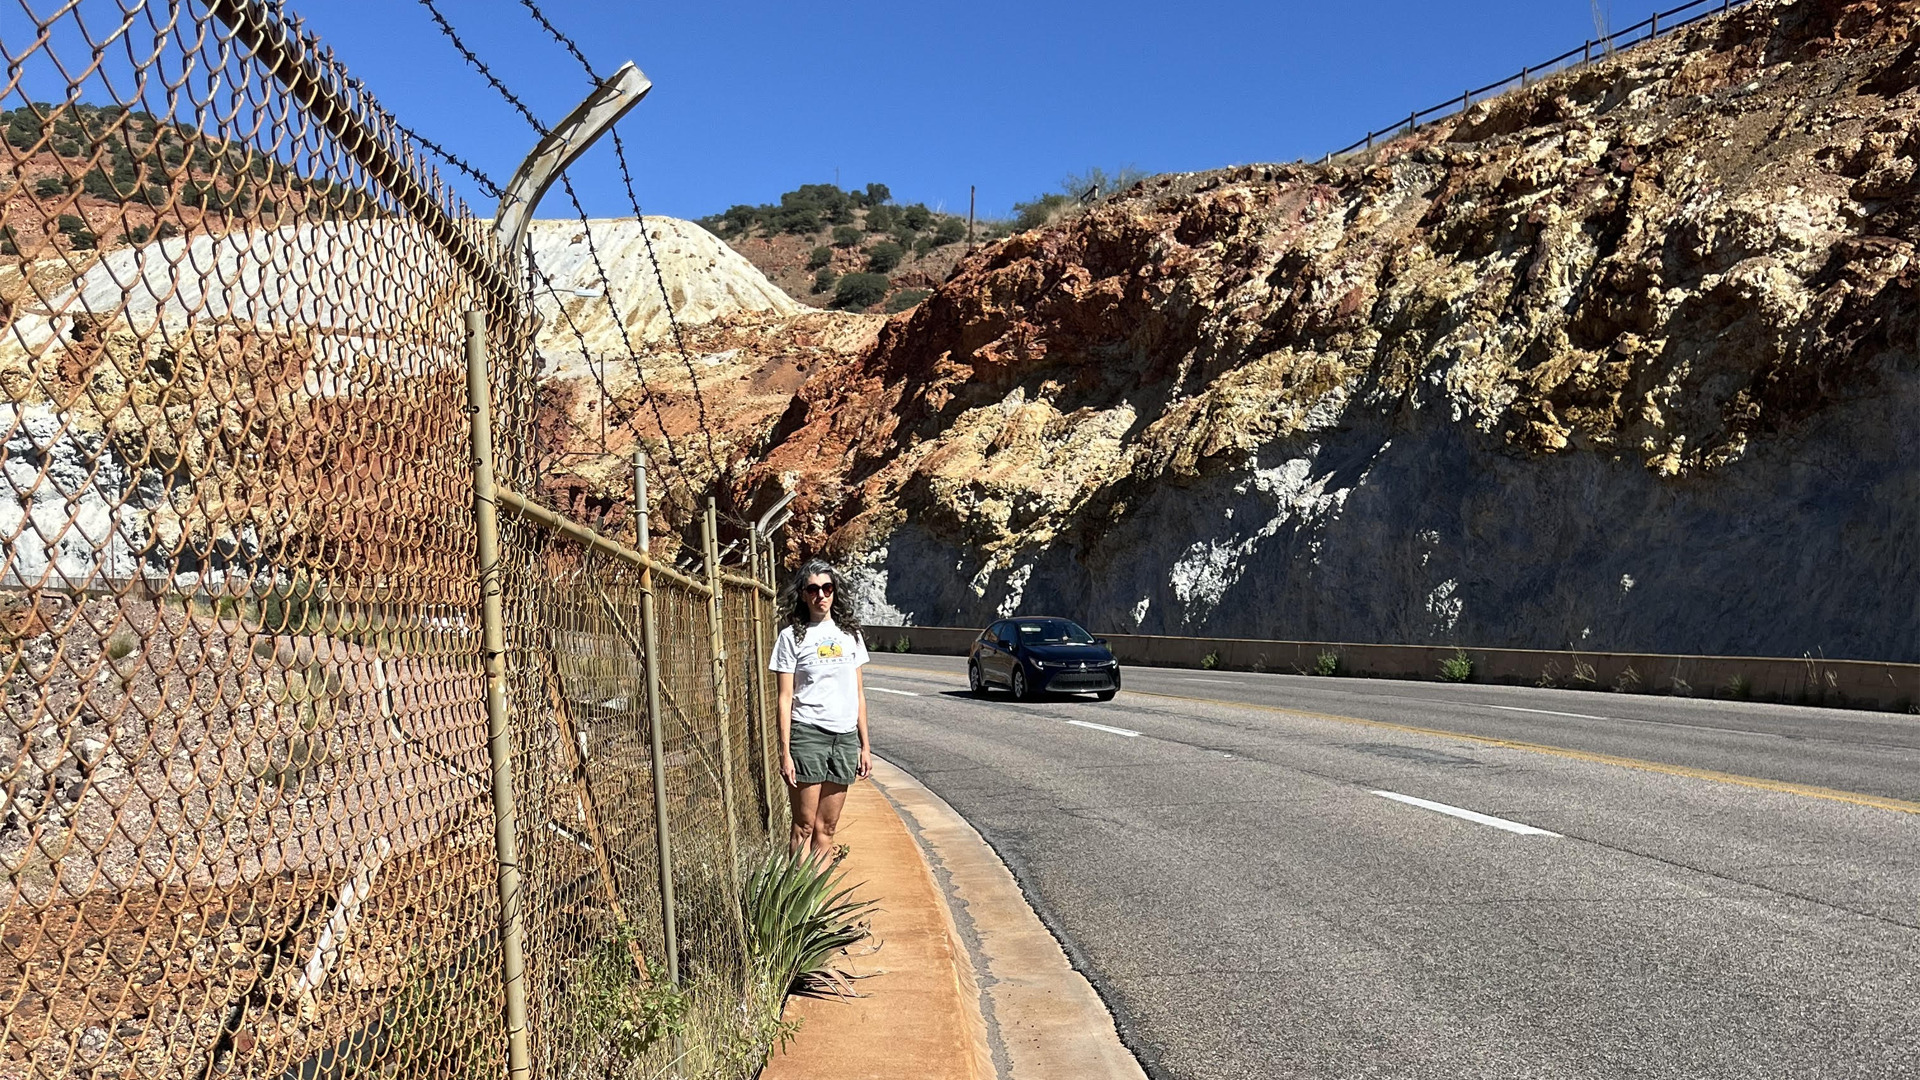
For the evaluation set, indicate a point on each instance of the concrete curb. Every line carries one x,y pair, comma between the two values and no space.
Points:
1857,684
1042,1019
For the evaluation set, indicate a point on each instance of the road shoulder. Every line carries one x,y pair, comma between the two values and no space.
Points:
1042,1018
917,1014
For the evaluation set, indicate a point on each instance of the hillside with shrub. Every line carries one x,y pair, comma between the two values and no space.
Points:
856,250
87,178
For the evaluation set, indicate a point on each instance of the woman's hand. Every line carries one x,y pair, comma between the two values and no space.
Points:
866,764
787,771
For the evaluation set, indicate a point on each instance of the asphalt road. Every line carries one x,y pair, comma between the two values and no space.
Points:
1708,889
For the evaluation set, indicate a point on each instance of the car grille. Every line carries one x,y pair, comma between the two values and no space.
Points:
1081,680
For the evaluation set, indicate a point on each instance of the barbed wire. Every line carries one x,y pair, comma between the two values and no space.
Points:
474,62
646,237
673,321
486,182
666,301
622,413
626,341
565,41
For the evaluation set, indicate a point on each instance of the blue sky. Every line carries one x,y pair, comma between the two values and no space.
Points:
752,99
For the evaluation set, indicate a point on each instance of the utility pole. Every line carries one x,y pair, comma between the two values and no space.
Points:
970,193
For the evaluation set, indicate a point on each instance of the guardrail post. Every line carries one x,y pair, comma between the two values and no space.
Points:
493,648
716,616
649,640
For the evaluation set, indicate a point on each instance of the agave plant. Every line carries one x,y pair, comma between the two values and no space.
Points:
798,915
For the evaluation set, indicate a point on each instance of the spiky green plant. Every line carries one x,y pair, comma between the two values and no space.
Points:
799,913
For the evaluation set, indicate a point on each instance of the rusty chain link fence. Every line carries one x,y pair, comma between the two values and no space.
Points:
249,817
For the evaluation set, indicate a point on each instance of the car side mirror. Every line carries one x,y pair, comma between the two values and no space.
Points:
1099,641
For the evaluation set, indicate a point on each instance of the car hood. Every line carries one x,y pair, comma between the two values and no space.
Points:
1067,652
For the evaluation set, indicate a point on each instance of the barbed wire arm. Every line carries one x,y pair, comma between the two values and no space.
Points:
560,147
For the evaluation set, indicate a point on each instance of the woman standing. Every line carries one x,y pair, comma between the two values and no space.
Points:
822,705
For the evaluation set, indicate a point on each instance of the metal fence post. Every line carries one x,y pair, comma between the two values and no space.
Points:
758,712
649,640
493,646
716,615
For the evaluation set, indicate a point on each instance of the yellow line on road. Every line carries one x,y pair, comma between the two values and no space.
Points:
1779,786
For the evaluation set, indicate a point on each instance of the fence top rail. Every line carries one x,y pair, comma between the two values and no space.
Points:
1652,23
258,26
521,506
747,583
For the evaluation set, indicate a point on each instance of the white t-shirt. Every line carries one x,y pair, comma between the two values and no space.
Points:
825,691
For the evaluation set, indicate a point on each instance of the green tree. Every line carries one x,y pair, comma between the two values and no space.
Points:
79,237
878,194
99,185
824,279
49,187
819,257
951,230
860,291
23,129
917,216
846,236
884,256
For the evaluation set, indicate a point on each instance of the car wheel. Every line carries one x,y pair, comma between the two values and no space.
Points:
1021,691
1106,695
976,682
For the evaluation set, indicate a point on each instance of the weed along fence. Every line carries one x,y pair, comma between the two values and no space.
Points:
328,750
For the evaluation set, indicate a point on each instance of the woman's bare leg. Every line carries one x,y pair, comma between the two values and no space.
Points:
831,797
805,802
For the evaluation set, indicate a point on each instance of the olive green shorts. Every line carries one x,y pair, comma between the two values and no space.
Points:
822,756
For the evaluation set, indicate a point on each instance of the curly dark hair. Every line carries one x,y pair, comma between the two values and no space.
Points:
842,613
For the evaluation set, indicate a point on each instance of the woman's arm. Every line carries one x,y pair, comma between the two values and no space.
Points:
866,748
783,708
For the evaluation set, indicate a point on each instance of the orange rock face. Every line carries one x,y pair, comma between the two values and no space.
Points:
1531,375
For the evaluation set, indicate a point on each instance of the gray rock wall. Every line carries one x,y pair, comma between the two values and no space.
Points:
1428,533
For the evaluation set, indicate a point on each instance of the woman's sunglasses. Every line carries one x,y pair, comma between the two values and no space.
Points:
818,590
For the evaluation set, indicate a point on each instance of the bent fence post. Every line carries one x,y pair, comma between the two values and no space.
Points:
493,647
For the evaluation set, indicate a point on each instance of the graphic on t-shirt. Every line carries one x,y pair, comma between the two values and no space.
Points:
832,650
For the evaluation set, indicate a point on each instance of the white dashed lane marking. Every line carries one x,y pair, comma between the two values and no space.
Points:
1469,815
1103,727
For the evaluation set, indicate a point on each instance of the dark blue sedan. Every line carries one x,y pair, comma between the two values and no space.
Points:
1042,656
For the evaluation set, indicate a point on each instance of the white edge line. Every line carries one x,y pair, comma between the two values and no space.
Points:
1103,727
884,690
1550,712
1470,815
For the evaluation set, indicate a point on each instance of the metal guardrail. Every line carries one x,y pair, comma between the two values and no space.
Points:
1659,24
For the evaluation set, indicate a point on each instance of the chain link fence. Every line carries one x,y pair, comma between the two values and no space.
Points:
248,818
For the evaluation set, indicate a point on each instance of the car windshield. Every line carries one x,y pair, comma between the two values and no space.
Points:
1053,632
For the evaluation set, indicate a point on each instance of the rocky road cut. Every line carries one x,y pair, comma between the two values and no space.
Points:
1276,876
